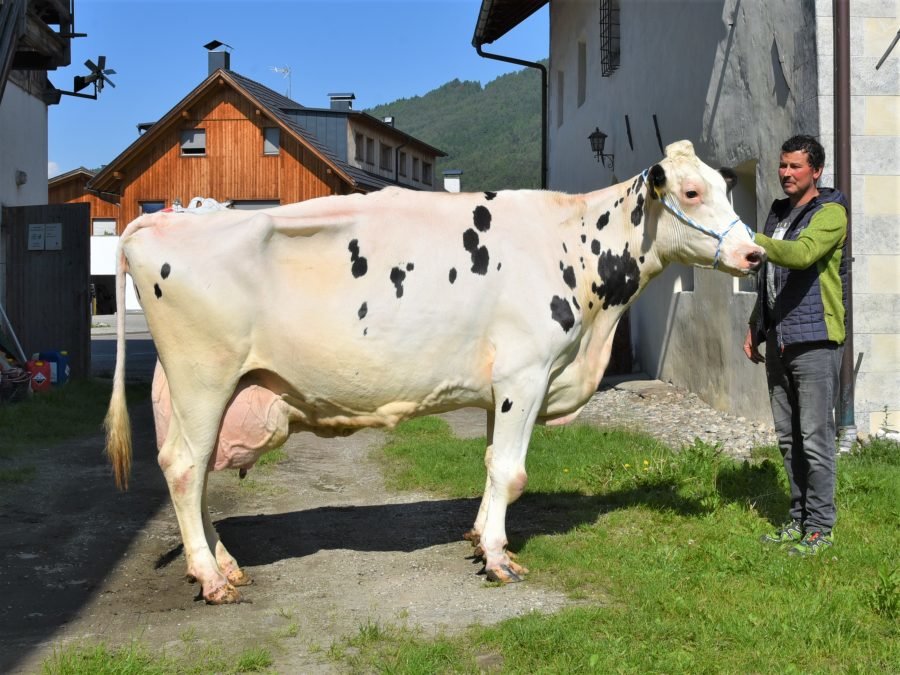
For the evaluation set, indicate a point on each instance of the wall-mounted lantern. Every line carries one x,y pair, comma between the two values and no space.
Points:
598,141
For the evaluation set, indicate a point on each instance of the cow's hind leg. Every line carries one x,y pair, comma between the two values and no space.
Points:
517,402
184,459
474,535
226,562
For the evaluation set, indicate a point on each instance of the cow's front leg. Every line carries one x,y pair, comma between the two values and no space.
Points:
516,407
474,535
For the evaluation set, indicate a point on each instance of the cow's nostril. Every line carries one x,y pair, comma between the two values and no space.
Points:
754,258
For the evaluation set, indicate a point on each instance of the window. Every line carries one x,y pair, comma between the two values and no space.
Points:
560,95
426,173
253,204
193,142
359,155
152,207
386,157
370,150
610,49
103,227
582,73
271,140
415,175
401,169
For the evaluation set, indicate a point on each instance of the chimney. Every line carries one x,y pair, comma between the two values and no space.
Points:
342,101
452,180
388,119
218,59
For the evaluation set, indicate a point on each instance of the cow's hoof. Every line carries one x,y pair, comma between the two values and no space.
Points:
507,574
224,595
478,553
239,577
472,536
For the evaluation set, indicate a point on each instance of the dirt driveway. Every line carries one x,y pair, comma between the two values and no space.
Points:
328,546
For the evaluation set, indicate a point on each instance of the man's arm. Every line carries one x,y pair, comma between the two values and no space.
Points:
825,232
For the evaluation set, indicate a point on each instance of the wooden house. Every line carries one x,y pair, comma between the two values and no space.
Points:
237,141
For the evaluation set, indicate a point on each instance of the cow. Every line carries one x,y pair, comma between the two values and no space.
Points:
355,311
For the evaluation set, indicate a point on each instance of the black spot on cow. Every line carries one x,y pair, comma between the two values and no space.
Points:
165,271
641,259
561,312
575,302
620,278
628,191
568,275
595,247
583,238
480,255
565,250
499,264
482,218
365,331
397,277
157,290
360,264
410,267
452,274
603,221
581,260
363,310
507,405
617,203
637,214
490,195
590,304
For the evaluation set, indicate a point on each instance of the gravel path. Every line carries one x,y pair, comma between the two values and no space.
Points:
675,416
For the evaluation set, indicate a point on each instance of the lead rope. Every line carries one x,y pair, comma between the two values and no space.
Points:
670,204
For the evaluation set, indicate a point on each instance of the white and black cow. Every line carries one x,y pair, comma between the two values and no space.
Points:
346,312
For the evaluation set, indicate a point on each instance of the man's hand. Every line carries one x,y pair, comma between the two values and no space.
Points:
751,348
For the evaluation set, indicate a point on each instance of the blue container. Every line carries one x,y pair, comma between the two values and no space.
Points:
59,366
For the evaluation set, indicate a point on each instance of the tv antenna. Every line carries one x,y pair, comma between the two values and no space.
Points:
97,76
286,74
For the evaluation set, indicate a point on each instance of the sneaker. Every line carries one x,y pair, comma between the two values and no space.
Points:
812,544
791,533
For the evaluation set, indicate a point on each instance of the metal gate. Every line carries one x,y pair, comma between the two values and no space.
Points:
48,268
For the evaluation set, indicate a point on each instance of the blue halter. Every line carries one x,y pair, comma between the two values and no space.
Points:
672,205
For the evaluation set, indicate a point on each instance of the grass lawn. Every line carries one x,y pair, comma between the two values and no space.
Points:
665,560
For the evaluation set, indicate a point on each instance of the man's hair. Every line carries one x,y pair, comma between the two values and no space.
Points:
815,153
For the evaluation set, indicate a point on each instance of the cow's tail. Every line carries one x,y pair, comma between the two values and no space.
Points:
118,423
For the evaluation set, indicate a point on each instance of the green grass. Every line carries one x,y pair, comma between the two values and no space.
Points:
135,659
661,547
74,410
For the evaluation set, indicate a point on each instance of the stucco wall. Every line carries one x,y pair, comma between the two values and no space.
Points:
734,77
875,194
23,147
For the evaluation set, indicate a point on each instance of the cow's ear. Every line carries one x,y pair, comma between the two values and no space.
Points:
730,176
657,180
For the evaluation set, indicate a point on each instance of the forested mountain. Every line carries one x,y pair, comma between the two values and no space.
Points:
491,133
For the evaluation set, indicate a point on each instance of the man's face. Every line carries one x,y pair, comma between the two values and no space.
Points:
798,178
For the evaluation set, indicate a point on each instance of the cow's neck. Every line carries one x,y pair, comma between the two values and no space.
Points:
619,248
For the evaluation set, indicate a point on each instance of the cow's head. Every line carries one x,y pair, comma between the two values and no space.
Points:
697,224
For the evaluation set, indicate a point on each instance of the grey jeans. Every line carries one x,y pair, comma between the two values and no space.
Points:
803,391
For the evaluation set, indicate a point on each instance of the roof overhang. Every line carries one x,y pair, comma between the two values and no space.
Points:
498,17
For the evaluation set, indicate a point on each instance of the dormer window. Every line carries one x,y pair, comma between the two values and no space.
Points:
193,142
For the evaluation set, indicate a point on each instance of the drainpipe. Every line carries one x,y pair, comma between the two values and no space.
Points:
846,420
543,69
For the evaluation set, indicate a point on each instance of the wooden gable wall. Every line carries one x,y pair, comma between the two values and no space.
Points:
234,166
72,191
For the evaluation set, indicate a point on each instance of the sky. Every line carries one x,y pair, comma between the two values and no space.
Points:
381,50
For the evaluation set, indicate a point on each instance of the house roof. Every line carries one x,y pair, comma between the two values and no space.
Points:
498,17
68,175
277,107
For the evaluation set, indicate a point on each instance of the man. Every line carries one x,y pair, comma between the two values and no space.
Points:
799,314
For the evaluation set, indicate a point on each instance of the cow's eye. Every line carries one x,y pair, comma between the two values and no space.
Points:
691,194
